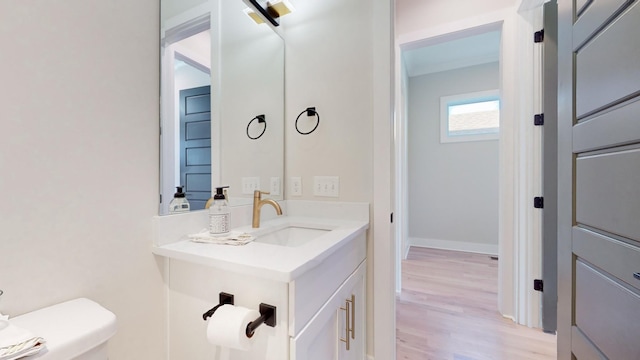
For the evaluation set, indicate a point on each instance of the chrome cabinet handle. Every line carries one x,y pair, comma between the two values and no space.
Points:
350,321
346,339
353,316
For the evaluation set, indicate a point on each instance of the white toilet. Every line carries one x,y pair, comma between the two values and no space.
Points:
77,329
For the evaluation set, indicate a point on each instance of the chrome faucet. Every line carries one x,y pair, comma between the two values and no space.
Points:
257,205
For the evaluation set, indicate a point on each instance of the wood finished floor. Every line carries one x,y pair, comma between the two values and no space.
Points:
448,310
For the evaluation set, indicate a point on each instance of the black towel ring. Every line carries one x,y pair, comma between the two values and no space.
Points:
261,120
310,112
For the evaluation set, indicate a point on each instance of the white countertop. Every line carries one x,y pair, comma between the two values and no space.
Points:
273,262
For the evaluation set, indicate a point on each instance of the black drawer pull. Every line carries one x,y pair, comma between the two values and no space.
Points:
636,275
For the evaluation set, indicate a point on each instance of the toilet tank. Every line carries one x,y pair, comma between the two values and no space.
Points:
76,329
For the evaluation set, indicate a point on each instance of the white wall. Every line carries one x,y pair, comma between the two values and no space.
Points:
453,187
417,15
171,8
79,162
329,66
329,57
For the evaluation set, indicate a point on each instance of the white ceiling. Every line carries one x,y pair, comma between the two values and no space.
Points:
467,51
196,47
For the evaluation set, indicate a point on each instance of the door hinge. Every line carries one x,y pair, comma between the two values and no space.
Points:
392,218
538,285
538,202
538,36
538,119
160,198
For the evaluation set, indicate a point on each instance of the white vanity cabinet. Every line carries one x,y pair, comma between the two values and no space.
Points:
337,331
317,287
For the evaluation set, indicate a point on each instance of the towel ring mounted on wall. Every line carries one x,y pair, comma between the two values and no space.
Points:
310,112
261,120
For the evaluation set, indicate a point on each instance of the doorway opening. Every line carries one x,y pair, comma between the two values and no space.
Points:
448,175
447,184
519,154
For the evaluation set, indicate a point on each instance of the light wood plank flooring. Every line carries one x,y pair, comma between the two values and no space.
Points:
448,310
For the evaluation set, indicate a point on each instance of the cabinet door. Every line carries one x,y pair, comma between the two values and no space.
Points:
317,341
351,320
323,338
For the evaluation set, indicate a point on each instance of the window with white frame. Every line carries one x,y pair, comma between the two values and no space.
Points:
470,117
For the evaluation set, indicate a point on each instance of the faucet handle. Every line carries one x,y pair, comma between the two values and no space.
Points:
259,193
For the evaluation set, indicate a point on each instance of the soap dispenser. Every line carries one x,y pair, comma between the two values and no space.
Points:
219,214
179,203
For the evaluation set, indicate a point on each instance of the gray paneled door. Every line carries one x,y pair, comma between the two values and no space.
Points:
195,145
550,168
599,179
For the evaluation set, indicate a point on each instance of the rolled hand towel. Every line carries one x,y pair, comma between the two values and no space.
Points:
16,342
233,238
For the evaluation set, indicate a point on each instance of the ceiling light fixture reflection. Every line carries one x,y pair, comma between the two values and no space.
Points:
254,16
269,10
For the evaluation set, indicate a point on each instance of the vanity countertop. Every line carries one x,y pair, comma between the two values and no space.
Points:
273,262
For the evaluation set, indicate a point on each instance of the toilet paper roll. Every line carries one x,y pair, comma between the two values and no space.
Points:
227,327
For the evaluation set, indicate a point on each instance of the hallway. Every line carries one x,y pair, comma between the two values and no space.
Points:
448,310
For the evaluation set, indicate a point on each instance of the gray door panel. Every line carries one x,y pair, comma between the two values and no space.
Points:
592,17
195,145
607,67
616,127
612,256
608,192
606,313
582,348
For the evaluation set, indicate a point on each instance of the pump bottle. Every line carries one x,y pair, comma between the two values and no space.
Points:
219,214
179,203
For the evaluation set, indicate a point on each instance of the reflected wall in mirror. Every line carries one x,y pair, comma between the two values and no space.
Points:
220,70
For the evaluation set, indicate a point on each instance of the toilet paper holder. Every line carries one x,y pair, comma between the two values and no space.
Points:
225,298
267,313
267,317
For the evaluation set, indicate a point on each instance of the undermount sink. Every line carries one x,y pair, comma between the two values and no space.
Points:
291,236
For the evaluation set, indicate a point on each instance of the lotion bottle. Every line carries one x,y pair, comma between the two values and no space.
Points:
219,214
179,203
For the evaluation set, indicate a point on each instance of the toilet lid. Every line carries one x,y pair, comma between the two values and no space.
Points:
70,328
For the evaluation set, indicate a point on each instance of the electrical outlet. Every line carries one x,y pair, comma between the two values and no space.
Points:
250,184
274,187
296,186
328,186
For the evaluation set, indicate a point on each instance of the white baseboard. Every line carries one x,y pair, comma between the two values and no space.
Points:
490,249
407,247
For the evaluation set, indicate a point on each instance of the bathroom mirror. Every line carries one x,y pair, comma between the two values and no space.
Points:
222,102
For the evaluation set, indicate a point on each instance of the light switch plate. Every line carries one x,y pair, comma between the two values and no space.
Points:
250,184
296,186
274,186
328,186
